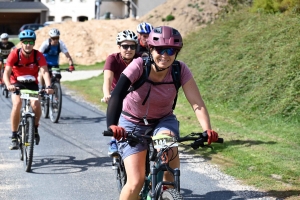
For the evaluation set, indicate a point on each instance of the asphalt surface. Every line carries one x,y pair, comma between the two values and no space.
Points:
71,162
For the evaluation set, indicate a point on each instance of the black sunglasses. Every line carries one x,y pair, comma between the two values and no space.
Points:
126,46
169,51
55,38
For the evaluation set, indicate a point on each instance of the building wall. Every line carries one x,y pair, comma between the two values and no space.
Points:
61,9
145,6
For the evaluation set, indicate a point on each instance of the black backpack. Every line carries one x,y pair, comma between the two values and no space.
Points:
49,46
34,54
176,73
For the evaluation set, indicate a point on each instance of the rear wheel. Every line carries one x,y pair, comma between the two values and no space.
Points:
170,194
28,144
45,107
55,103
120,173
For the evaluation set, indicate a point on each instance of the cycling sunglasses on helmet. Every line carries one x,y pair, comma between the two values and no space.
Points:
126,46
28,42
169,51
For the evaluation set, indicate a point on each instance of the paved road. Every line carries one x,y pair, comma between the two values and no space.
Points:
71,163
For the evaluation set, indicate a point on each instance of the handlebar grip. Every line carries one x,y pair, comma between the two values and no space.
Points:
107,133
220,140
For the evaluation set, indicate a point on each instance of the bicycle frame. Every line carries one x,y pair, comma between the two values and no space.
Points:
26,128
155,177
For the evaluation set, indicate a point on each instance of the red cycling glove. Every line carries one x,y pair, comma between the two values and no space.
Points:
212,136
119,132
71,68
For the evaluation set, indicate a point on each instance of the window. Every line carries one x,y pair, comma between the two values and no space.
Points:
66,1
66,18
50,1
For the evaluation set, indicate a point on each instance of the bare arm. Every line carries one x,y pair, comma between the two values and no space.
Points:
192,94
46,76
108,78
6,78
69,58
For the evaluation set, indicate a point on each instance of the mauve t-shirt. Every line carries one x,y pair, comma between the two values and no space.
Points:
115,63
160,101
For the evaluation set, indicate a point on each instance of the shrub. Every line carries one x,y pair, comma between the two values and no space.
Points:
170,18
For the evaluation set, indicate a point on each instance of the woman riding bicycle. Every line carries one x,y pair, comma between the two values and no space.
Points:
151,106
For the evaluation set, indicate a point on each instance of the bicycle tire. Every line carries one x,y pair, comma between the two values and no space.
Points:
20,141
170,194
28,144
45,107
121,176
5,93
55,103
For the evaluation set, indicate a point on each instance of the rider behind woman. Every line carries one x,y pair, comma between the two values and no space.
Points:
114,66
164,45
21,63
143,29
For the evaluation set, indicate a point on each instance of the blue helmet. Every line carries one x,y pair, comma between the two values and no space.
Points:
27,34
144,28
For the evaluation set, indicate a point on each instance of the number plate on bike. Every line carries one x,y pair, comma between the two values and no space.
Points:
27,94
163,141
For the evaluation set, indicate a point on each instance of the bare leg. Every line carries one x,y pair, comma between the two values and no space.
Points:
135,169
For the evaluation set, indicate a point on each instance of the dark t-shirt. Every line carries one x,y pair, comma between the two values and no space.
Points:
5,50
115,63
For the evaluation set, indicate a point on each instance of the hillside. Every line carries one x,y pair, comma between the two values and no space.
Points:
92,41
249,63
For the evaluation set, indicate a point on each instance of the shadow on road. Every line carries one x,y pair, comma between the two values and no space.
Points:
224,195
61,164
81,120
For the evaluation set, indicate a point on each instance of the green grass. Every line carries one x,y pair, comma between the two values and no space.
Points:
96,66
247,68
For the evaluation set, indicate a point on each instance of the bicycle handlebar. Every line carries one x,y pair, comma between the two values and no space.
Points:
197,138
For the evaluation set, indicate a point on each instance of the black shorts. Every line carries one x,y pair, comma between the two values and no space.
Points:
29,86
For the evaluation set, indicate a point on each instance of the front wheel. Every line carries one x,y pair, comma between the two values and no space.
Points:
120,173
170,194
55,103
28,144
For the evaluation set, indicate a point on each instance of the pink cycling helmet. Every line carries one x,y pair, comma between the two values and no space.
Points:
165,36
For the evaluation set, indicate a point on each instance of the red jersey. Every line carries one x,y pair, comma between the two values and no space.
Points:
26,66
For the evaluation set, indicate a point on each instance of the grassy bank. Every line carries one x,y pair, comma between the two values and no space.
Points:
247,69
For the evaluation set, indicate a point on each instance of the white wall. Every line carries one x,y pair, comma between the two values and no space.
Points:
72,8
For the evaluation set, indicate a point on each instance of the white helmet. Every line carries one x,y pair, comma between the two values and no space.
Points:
144,28
4,36
127,35
54,32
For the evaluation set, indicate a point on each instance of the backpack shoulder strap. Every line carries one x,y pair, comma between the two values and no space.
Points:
58,48
144,77
35,57
48,47
176,75
18,53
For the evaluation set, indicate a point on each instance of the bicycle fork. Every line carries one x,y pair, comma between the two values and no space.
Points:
156,179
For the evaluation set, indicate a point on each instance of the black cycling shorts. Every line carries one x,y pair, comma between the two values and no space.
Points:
29,86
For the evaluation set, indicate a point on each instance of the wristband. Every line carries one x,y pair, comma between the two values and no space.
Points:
49,87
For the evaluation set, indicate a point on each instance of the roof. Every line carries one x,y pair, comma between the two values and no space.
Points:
22,5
